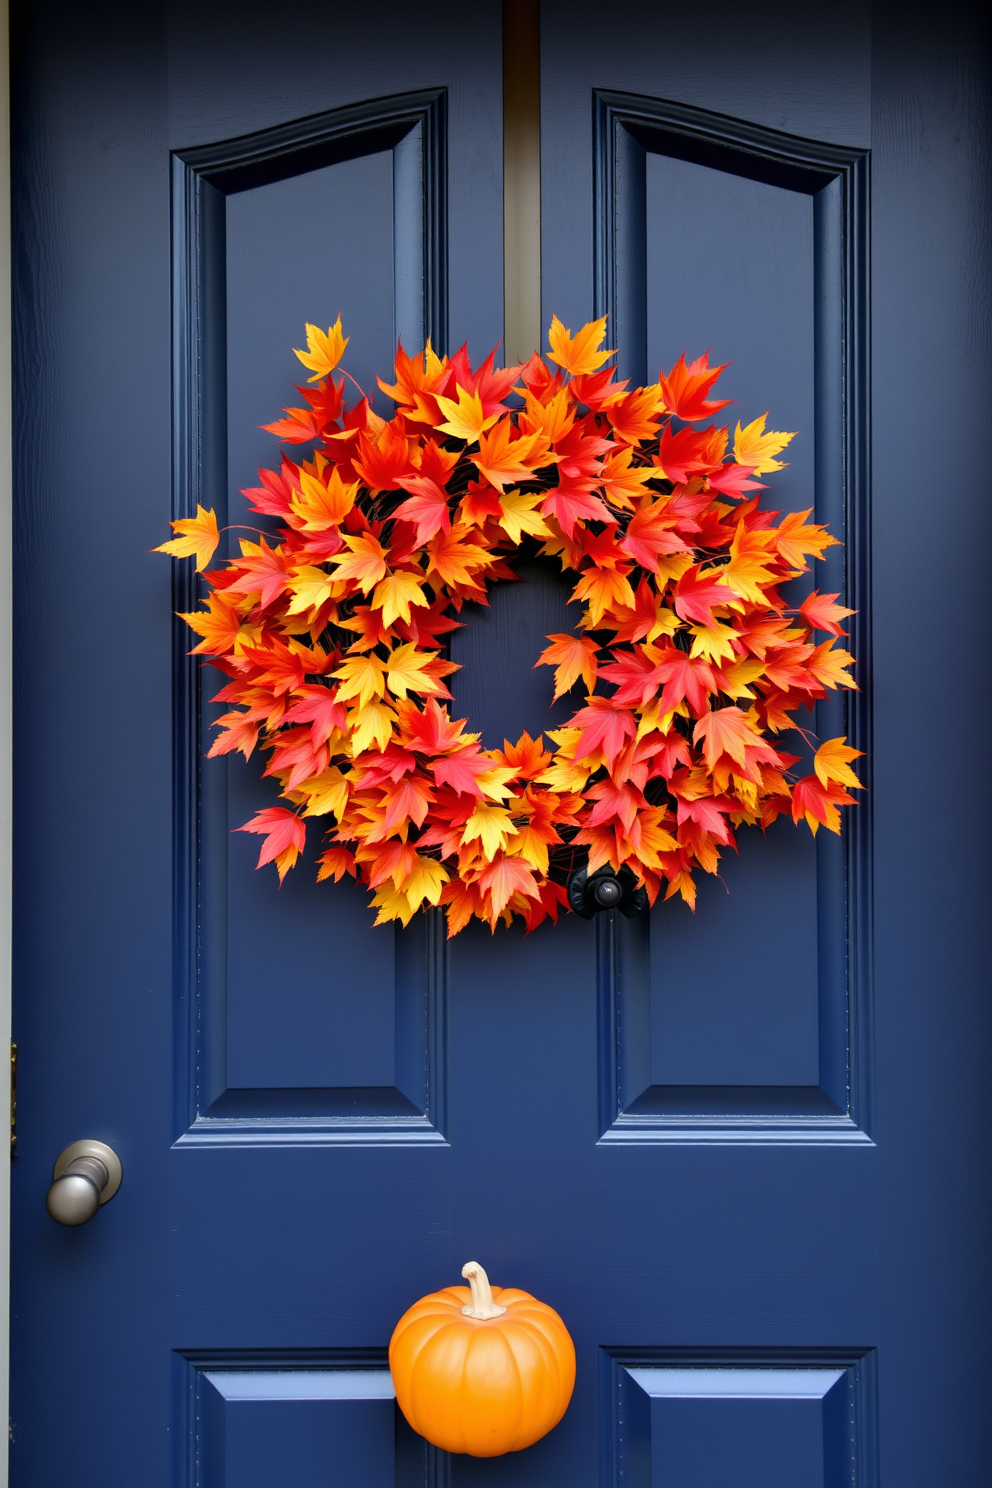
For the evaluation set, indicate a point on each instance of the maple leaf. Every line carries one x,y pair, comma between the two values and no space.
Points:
361,677
795,538
324,350
746,574
365,563
622,481
427,507
819,803
582,352
696,592
714,643
684,677
461,771
505,877
635,416
406,799
572,657
605,589
604,726
503,458
570,505
310,588
239,732
265,573
335,863
831,763
385,458
395,594
518,514
370,723
726,731
466,418
733,480
285,837
684,389
683,453
454,560
830,667
823,614
650,534
392,904
491,826
405,671
430,731
323,793
425,881
553,419
318,506
415,377
198,537
318,706
754,447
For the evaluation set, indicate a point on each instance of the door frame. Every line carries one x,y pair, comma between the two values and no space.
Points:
5,696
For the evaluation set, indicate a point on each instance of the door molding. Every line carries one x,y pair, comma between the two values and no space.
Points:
413,127
5,694
626,129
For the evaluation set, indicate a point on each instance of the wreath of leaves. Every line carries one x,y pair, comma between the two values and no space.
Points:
331,630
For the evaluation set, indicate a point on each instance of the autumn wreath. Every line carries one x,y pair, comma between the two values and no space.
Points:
331,630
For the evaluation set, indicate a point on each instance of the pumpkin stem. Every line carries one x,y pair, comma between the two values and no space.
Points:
482,1304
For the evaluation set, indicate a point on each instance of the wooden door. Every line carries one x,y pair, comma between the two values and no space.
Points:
740,1152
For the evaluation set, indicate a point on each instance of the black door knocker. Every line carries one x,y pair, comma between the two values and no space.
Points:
604,889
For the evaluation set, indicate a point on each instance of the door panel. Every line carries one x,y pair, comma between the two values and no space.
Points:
736,1150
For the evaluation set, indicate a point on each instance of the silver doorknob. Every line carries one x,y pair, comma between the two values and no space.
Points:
86,1175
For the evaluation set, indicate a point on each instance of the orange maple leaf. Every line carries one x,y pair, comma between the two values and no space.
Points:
324,350
579,353
198,537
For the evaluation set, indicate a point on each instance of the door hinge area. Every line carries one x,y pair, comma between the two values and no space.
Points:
13,1100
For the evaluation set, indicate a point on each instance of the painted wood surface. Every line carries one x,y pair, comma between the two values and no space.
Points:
744,1161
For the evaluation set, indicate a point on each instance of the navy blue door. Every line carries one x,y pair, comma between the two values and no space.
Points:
744,1154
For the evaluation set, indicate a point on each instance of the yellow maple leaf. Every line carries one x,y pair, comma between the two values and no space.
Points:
324,350
362,677
578,354
491,825
713,642
405,670
520,515
395,594
746,573
311,587
754,447
493,784
325,792
392,904
198,538
370,724
738,678
466,417
831,762
425,881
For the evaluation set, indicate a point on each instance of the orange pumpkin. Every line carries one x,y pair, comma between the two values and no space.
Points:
482,1371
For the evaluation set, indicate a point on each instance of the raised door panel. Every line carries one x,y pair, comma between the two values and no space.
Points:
749,1014
344,211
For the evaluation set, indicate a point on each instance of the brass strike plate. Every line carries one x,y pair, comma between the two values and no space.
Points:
13,1100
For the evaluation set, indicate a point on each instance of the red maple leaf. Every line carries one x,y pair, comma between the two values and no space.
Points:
685,389
604,726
